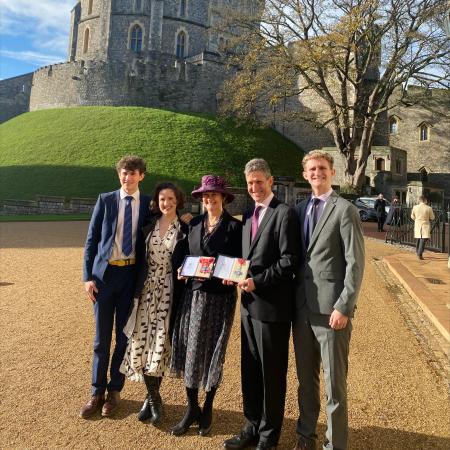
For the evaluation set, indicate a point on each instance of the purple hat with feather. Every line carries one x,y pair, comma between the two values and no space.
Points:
213,183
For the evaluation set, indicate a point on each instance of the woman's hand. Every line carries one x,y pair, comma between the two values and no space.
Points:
179,276
186,218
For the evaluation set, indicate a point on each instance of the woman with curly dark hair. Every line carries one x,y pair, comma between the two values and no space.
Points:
157,294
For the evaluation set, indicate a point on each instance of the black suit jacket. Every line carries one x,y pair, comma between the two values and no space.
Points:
273,258
226,240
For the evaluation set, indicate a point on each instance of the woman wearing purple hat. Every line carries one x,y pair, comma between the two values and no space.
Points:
205,315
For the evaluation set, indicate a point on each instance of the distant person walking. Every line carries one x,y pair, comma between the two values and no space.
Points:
380,209
422,214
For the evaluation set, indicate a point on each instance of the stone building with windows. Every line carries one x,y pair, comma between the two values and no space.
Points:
410,153
155,53
421,128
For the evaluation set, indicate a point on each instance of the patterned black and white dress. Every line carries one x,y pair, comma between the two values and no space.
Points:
205,314
148,350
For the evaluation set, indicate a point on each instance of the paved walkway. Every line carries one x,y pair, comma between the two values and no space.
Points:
427,281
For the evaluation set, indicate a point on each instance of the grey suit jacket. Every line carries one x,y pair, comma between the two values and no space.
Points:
332,267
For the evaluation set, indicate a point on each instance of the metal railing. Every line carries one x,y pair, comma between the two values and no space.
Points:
400,229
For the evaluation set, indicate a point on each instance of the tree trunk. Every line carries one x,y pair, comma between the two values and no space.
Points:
365,146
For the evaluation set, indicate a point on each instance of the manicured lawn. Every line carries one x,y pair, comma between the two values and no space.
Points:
72,152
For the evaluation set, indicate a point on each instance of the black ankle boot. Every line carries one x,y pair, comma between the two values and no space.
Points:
191,415
145,412
205,422
154,402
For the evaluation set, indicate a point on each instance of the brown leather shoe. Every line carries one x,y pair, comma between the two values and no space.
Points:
91,406
112,400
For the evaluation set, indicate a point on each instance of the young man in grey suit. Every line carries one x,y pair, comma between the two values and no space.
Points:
270,242
327,286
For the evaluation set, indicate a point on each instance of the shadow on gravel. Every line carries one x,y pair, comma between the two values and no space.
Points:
377,438
43,234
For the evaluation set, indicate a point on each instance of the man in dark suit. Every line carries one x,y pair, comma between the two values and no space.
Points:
380,208
328,282
114,249
270,242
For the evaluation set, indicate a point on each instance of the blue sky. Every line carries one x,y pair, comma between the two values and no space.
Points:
33,33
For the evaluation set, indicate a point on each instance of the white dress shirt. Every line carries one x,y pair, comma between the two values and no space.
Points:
264,205
135,203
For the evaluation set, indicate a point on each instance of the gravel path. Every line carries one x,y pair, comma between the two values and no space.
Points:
398,401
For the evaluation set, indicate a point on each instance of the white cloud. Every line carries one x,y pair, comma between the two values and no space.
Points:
35,58
42,26
44,14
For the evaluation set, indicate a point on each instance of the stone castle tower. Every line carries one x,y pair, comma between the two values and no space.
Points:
121,29
154,53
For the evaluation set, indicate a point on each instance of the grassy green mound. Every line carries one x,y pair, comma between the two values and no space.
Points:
72,152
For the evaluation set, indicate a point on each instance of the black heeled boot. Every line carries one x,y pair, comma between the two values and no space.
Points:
145,412
205,422
154,402
191,416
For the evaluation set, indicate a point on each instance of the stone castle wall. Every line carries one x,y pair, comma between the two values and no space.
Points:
15,96
432,154
155,81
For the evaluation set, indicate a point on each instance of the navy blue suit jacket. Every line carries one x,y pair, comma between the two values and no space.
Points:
102,232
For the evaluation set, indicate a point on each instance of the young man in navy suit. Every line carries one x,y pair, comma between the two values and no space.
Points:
114,248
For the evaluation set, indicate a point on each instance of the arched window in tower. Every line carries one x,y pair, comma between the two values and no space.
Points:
182,8
424,132
90,6
138,5
136,39
181,44
393,125
86,41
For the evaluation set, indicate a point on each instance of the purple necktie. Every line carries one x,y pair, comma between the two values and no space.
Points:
255,219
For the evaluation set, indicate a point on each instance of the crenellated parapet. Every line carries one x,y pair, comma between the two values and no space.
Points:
154,80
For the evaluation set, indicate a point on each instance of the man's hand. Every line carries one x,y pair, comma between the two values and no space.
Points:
90,288
247,285
338,321
228,282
